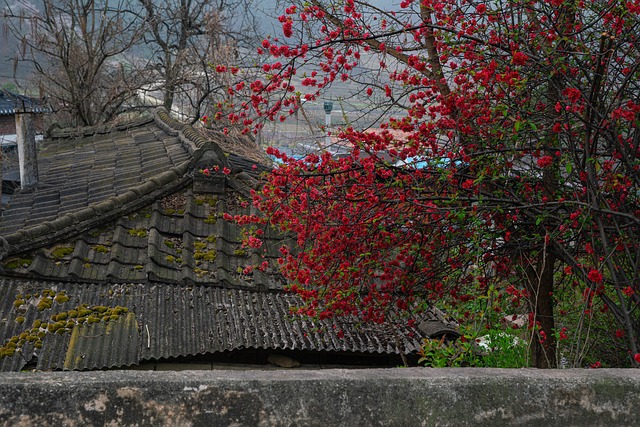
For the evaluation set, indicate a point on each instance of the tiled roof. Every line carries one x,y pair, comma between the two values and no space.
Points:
168,227
124,217
181,238
10,102
97,174
163,320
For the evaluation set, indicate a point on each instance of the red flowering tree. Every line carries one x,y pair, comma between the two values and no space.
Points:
525,117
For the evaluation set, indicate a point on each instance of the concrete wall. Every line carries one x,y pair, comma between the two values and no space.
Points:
389,397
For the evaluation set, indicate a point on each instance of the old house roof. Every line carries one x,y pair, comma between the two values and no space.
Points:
11,102
121,254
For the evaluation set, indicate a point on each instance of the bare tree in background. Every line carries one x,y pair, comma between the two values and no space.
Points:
189,39
77,49
94,59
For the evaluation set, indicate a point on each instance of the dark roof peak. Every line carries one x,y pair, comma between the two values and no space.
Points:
11,103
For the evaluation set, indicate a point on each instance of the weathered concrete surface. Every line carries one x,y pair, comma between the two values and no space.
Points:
389,397
27,153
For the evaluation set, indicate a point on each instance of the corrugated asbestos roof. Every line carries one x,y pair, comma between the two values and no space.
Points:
124,221
164,320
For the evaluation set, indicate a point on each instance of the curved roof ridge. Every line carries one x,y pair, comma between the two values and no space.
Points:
77,132
200,148
74,223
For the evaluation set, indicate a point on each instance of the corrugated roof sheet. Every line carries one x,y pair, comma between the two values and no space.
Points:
164,320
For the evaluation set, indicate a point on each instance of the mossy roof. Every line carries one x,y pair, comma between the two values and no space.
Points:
123,215
160,321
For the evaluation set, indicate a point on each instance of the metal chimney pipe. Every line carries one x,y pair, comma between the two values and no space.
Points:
27,157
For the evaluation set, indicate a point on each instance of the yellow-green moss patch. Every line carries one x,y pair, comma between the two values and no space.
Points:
61,297
14,263
61,252
100,249
138,232
45,303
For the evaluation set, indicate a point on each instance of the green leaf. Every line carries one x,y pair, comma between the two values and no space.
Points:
517,126
568,167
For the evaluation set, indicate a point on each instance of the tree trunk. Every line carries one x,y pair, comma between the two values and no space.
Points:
540,287
169,92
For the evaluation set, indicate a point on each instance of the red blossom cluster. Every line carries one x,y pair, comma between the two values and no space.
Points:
527,116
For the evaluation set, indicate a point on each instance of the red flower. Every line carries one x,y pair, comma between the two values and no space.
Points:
628,291
206,172
287,28
558,107
572,94
563,334
543,336
467,184
481,8
637,357
595,276
226,171
519,58
596,365
545,161
254,242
